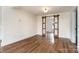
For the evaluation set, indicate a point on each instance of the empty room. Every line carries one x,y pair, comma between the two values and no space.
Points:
39,29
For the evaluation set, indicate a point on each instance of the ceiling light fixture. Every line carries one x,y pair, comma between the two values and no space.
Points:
45,10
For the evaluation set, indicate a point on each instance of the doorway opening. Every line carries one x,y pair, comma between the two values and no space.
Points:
50,26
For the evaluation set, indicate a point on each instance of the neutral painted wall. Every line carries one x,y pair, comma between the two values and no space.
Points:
17,25
39,25
78,28
0,21
65,25
73,26
0,15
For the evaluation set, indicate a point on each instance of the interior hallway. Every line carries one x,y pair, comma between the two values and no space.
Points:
39,44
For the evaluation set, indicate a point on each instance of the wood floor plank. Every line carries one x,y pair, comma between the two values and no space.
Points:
39,44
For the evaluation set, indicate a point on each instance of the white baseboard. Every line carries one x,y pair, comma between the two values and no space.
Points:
39,34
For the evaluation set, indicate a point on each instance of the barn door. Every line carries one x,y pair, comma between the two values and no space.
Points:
56,26
44,26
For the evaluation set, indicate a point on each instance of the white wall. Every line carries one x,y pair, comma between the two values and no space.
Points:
0,15
73,26
0,21
65,24
78,28
39,25
17,25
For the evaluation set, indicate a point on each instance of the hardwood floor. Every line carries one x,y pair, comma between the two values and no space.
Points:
39,44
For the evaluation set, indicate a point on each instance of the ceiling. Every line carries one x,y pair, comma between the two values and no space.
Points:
38,10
